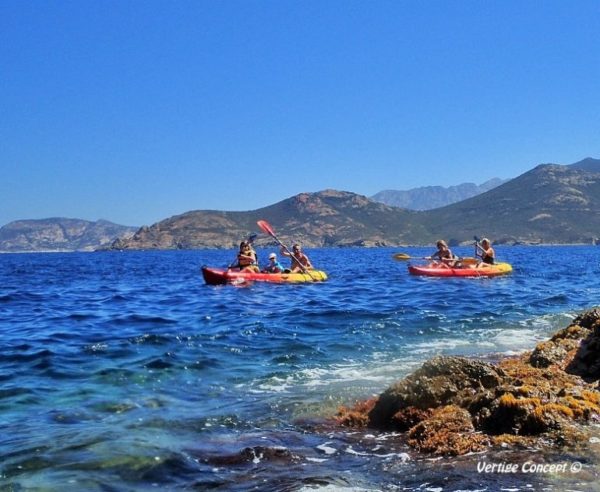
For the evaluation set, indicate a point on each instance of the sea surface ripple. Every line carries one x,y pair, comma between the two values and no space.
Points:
123,371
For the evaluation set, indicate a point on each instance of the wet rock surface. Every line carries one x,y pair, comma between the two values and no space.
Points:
456,405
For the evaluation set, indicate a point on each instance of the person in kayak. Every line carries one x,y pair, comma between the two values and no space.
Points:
488,255
247,260
300,261
274,266
444,254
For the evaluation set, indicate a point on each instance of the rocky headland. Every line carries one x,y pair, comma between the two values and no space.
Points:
456,405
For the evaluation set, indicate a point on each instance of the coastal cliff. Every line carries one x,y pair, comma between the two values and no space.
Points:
456,405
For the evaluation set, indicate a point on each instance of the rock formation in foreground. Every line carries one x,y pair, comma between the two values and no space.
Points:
456,405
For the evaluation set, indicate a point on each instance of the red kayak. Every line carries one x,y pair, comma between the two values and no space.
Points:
219,276
442,270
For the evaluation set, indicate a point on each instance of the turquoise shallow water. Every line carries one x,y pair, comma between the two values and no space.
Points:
123,371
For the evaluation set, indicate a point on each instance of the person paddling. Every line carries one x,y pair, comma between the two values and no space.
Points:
444,254
488,255
300,261
247,261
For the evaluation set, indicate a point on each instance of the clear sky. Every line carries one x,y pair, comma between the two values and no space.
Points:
134,111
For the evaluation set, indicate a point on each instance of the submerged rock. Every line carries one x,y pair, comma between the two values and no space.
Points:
456,405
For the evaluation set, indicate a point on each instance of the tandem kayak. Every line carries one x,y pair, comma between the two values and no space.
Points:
443,270
219,276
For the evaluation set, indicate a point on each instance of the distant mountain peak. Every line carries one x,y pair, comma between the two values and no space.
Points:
588,164
430,197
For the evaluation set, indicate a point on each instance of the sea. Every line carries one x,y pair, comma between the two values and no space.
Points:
124,371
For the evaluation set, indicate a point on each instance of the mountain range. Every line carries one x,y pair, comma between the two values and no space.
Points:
430,197
60,234
550,204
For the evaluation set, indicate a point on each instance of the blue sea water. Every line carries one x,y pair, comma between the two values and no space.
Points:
124,371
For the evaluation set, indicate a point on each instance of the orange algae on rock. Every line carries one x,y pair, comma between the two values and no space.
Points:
448,431
358,415
455,405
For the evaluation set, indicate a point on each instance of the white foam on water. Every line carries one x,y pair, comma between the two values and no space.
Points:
435,346
376,375
317,460
516,340
276,385
486,344
404,457
350,450
326,448
335,488
346,373
384,437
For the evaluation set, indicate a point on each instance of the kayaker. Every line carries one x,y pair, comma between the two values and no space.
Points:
274,266
300,261
444,254
488,255
247,260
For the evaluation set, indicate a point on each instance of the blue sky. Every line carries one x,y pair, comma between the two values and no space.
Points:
136,111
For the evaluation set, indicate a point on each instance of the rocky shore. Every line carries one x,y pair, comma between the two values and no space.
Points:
456,405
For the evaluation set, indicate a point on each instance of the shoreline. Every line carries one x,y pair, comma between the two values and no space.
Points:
223,248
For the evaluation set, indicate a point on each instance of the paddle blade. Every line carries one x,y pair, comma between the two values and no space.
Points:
401,256
265,227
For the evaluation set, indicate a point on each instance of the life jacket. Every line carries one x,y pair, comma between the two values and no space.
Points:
244,260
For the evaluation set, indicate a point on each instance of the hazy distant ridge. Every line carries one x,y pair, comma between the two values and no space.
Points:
59,234
430,197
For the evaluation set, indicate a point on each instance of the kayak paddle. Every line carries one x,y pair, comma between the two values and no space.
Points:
404,256
266,227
